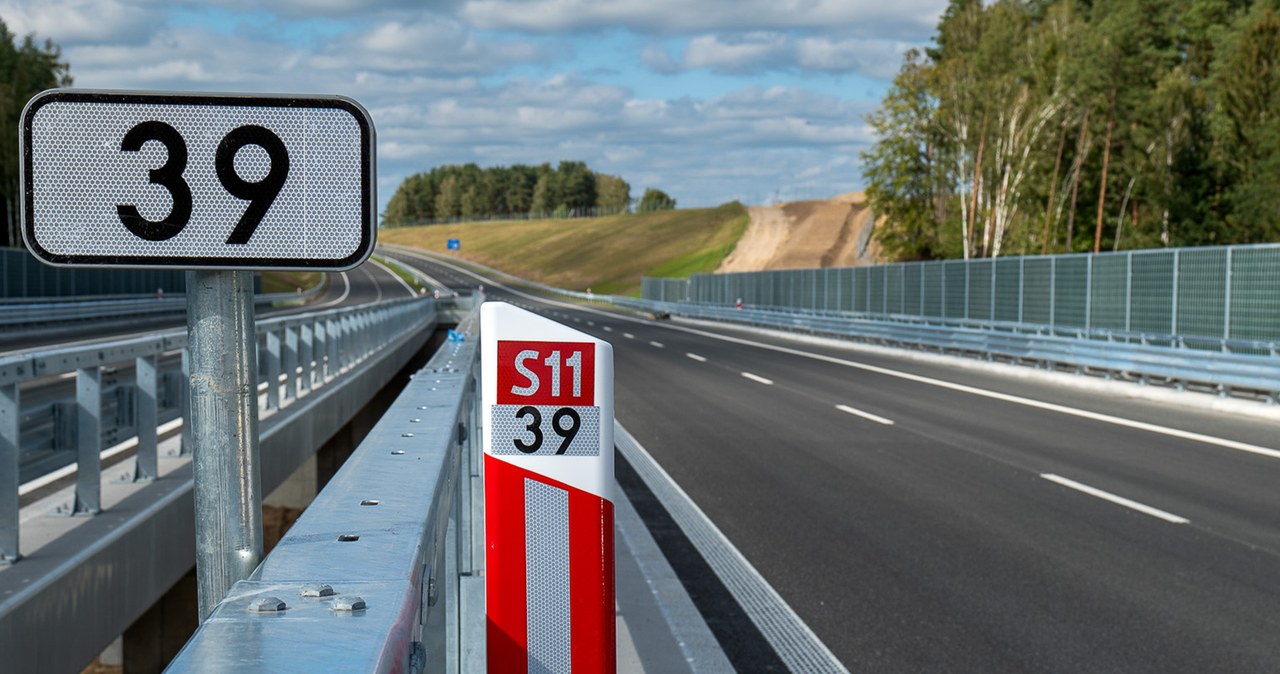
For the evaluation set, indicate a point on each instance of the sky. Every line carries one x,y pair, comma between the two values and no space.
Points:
707,100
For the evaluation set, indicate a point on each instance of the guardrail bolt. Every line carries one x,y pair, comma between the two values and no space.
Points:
267,605
317,590
348,603
406,435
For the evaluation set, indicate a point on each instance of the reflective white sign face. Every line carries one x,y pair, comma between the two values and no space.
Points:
197,180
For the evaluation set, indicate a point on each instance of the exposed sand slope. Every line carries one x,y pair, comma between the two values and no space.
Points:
806,234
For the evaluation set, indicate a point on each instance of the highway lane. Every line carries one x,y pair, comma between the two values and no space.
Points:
935,543
367,283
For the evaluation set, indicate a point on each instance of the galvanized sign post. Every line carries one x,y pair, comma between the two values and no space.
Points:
221,184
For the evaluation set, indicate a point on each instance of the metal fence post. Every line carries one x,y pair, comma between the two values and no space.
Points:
1173,319
1088,294
224,425
1022,284
1128,291
10,415
184,403
1053,291
88,499
1226,303
145,466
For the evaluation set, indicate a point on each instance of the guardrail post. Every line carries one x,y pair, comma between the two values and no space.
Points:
273,370
88,500
10,415
147,419
291,362
331,344
307,335
184,403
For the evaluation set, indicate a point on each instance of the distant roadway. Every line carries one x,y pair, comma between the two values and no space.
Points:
929,517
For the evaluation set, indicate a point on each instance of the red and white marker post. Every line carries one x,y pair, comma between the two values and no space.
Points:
548,494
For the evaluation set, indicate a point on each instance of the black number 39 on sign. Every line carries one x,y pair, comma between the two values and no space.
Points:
260,194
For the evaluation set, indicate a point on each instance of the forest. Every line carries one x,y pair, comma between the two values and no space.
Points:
1038,126
26,69
468,192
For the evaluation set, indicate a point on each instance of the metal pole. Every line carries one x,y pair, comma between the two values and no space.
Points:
224,429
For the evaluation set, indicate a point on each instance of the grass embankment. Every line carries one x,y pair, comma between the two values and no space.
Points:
607,255
289,281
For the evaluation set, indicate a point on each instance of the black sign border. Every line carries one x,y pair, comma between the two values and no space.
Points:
368,179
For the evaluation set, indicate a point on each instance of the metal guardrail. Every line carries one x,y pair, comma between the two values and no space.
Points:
368,579
43,312
1141,356
141,379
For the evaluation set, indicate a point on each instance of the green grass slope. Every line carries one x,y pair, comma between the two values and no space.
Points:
608,255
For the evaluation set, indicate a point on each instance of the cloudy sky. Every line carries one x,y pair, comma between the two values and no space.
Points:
709,100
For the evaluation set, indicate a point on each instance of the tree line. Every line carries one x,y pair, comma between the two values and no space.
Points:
26,69
1051,126
465,191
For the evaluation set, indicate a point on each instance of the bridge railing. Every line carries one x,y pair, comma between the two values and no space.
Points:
372,575
61,408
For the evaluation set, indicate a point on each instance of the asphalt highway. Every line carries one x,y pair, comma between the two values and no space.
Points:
928,517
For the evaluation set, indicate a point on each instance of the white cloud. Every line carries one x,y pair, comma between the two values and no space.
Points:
80,21
736,54
909,19
760,52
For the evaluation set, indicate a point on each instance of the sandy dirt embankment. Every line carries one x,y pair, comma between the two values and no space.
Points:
806,234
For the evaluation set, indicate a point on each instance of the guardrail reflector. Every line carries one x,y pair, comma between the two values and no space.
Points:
548,494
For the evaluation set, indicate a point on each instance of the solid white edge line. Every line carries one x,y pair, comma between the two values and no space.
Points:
790,637
346,290
70,469
405,284
1118,500
865,415
920,379
756,377
656,345
694,356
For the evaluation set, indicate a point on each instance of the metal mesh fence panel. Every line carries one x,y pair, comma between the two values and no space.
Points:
1204,293
1255,294
845,279
1109,296
933,283
955,291
1070,292
1151,293
861,282
1008,283
912,289
23,276
875,295
980,279
1037,290
1202,287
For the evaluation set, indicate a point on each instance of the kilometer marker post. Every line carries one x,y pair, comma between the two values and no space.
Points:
548,491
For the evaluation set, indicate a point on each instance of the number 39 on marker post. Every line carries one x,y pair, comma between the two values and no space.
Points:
548,476
211,181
